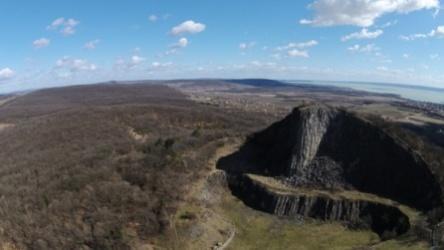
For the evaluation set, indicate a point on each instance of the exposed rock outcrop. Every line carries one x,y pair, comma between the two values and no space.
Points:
311,127
324,147
383,219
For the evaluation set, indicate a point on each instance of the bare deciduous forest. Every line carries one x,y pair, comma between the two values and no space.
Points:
102,166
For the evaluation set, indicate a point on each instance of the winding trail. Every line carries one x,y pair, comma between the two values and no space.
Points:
221,152
201,192
229,240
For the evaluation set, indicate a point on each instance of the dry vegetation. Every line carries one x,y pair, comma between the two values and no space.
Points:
109,167
74,177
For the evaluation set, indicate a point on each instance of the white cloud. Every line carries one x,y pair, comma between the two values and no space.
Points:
174,48
308,44
438,32
276,56
56,23
65,26
6,74
183,42
297,53
306,21
383,59
362,13
189,26
388,24
369,48
245,46
434,57
120,63
413,37
41,43
75,65
295,49
171,51
302,45
153,18
371,52
363,34
355,47
405,56
263,64
91,44
135,60
158,65
382,68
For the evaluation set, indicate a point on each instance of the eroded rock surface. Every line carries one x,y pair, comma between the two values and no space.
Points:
323,148
385,220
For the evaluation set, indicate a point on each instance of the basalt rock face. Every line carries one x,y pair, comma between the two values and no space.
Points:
362,214
323,147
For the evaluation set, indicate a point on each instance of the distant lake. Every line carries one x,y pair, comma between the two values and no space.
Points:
418,93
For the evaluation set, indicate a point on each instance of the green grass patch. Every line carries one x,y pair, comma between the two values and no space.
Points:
257,230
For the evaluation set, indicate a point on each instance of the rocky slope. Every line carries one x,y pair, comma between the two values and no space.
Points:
323,148
384,219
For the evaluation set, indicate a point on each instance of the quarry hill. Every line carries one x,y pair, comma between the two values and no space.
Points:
354,170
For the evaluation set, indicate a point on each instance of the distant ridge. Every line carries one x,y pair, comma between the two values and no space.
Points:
398,85
262,83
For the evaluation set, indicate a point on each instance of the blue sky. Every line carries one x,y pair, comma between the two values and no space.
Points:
51,43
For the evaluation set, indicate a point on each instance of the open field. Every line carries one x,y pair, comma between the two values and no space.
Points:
257,230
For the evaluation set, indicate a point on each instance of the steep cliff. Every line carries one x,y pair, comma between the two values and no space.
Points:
311,127
355,172
384,219
323,147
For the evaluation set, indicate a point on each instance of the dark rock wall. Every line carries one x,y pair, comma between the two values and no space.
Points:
375,162
329,148
267,152
386,221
